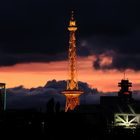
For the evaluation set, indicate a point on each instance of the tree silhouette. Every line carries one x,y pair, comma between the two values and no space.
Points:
50,106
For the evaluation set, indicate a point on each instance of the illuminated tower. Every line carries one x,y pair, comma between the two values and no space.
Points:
72,92
2,96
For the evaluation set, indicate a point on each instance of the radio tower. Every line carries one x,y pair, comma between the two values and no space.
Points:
72,92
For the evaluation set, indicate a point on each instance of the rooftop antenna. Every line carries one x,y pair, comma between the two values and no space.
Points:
124,75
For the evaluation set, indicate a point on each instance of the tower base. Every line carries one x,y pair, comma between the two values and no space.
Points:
72,99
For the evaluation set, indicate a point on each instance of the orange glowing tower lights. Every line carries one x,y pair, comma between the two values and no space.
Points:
72,91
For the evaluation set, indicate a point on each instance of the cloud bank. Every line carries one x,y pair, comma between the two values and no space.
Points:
37,98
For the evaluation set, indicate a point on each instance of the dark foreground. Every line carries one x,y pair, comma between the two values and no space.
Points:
58,126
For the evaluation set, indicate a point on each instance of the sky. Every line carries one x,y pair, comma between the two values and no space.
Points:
34,42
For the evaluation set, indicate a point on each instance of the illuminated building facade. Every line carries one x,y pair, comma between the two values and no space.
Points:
2,96
127,120
72,91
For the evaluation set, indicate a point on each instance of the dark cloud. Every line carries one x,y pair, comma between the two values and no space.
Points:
36,31
120,62
124,50
10,59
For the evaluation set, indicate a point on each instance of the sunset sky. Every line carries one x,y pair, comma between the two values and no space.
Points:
34,42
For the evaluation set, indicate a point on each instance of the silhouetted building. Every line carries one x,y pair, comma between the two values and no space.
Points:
2,96
121,111
124,95
125,92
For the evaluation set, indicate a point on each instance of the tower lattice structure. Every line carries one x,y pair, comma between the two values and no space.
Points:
72,91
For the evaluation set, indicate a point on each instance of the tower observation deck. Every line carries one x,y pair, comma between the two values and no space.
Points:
72,91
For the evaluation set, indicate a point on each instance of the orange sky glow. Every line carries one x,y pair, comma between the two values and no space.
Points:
37,74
